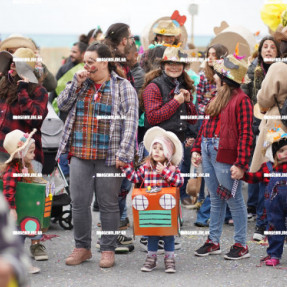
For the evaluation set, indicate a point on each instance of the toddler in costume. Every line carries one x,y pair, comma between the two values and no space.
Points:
274,174
21,148
165,151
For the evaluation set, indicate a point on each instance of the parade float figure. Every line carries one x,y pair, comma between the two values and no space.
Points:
273,174
159,172
224,143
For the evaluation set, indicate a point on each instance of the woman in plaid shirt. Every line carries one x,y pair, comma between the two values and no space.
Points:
165,151
224,142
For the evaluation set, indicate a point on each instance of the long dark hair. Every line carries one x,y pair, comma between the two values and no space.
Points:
104,51
9,88
220,51
260,59
115,33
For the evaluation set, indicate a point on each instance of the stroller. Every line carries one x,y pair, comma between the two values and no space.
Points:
51,130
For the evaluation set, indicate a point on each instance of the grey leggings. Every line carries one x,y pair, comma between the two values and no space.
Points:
84,180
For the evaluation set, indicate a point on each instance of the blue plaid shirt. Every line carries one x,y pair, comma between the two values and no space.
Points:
122,137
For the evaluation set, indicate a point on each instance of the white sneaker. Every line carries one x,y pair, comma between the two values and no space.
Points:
33,269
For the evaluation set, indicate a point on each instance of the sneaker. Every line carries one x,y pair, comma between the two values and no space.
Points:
150,264
200,224
33,269
272,262
78,256
237,251
38,252
169,264
124,224
187,203
208,248
251,217
259,233
122,239
265,258
143,244
124,248
107,259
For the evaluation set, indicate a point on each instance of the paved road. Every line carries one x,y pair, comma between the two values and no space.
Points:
191,270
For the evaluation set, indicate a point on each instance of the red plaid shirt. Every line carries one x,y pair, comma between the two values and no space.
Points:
202,88
156,112
151,178
243,115
9,184
261,174
27,105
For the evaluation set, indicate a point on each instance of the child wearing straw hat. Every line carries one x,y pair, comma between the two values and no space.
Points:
165,151
273,175
21,147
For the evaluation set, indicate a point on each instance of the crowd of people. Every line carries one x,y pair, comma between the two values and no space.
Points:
151,117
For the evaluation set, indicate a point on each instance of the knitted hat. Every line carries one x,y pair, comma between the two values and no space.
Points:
166,28
274,140
25,61
171,144
17,41
17,143
174,54
232,69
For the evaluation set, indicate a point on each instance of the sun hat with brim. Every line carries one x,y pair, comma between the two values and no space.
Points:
156,132
257,113
25,61
17,41
232,67
174,54
275,138
15,142
166,28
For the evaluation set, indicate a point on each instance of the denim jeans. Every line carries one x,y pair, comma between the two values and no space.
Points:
185,168
219,173
153,243
253,192
261,220
124,190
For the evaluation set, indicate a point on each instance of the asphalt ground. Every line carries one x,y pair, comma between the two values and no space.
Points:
212,270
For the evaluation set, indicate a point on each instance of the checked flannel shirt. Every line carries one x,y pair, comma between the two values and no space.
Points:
202,88
157,112
261,174
151,178
122,131
209,126
9,184
30,105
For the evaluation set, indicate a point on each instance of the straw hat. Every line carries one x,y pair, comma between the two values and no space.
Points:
231,67
15,142
157,132
274,140
25,61
174,54
17,41
166,28
257,113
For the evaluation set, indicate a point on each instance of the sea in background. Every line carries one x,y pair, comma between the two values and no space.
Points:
67,40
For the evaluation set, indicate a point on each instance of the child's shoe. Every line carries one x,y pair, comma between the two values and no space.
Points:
150,264
33,269
169,264
272,262
38,252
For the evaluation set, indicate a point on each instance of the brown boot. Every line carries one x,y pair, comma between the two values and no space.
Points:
78,256
108,259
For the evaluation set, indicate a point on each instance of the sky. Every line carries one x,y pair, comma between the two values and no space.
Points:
79,16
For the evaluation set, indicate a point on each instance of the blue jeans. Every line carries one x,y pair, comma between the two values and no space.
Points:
153,243
253,193
124,190
261,220
64,164
219,173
